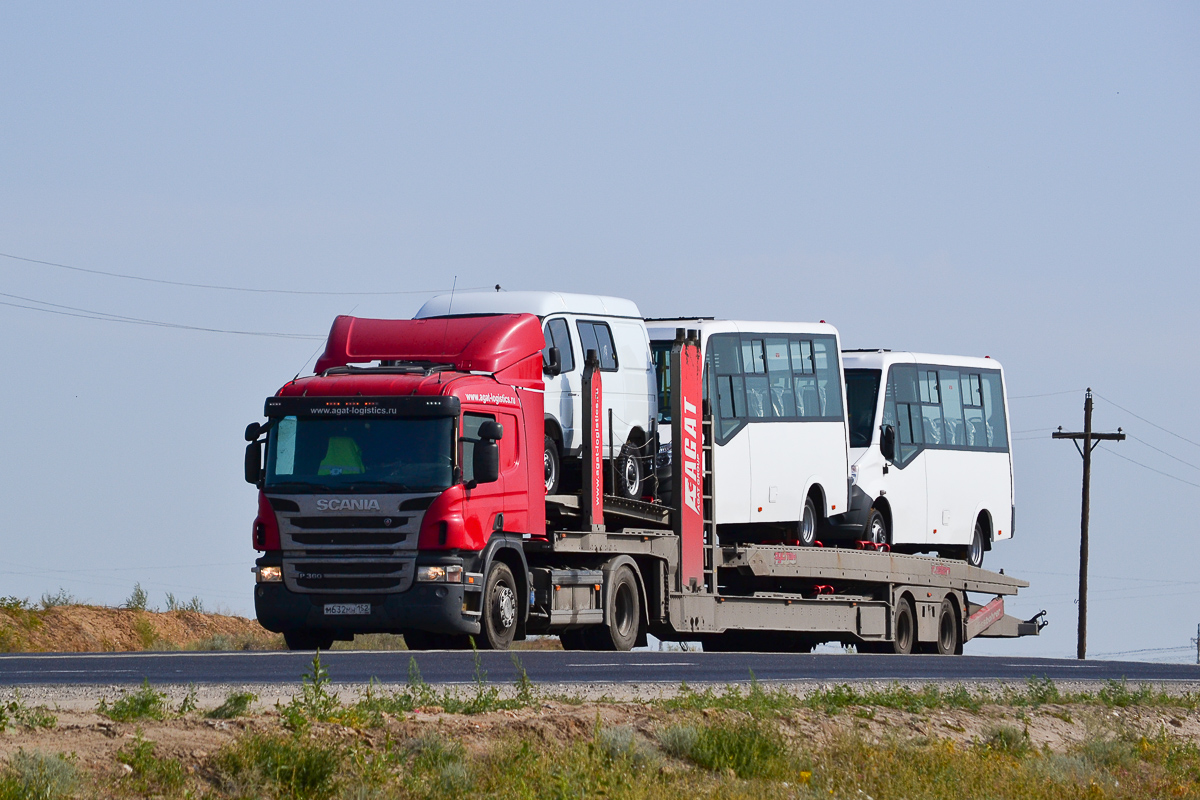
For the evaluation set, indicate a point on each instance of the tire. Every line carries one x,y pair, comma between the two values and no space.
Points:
574,639
629,474
974,554
501,609
307,640
877,530
553,466
625,615
806,528
906,629
949,640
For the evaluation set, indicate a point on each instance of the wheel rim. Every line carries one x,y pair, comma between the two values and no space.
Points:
878,532
808,525
631,475
504,607
623,609
976,554
549,467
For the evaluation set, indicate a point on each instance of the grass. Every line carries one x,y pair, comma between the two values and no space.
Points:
16,712
151,774
286,766
237,704
38,776
145,703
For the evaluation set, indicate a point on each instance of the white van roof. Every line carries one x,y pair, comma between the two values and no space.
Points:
662,329
541,304
877,359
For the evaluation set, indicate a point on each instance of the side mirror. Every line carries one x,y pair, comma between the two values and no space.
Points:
553,365
253,462
486,461
887,442
252,431
491,429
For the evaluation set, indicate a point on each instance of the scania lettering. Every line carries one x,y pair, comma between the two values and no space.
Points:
420,507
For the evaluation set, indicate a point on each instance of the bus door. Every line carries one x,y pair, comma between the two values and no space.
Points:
949,468
905,482
731,451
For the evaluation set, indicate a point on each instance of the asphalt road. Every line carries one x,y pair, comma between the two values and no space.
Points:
558,667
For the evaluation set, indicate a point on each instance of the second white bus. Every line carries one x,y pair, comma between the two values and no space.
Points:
931,468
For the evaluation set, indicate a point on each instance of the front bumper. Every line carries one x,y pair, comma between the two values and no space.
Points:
446,608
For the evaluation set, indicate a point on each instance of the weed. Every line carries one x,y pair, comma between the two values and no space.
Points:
174,604
284,765
145,633
137,598
236,704
145,703
188,704
316,703
60,598
15,711
621,743
38,776
1008,739
23,613
151,773
751,748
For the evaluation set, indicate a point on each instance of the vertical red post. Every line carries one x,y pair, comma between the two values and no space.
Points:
687,474
593,461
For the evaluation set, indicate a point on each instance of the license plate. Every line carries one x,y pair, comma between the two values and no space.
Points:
346,609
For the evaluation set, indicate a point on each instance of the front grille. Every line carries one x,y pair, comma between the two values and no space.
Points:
348,575
358,538
345,523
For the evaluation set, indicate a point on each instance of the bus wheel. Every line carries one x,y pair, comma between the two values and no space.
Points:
629,474
806,529
975,549
500,608
307,640
877,528
906,629
625,616
553,470
949,641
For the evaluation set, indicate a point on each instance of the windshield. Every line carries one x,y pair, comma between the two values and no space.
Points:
862,391
348,455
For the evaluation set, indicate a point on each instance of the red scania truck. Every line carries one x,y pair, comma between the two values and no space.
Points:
401,490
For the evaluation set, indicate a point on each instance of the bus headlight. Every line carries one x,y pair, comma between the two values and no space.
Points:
269,574
854,474
436,573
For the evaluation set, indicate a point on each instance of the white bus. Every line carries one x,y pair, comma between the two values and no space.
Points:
776,393
931,466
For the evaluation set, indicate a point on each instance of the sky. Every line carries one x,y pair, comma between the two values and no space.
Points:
1020,181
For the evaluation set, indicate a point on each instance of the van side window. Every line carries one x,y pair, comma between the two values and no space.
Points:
972,399
597,336
470,435
559,335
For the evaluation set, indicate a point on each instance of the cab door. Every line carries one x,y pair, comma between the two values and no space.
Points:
486,500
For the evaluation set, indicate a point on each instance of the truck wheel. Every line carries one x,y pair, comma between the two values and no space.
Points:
806,528
500,608
877,528
553,469
906,629
625,615
307,640
629,474
975,549
949,641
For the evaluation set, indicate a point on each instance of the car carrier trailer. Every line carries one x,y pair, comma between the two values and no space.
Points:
600,572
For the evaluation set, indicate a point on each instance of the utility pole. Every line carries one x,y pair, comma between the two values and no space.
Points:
1090,441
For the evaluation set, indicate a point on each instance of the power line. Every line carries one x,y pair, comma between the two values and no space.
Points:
1025,396
106,317
1164,452
1152,469
217,286
1148,422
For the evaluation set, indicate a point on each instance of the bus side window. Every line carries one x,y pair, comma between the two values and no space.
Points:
972,397
931,406
758,403
829,385
779,372
952,417
804,378
993,410
902,385
725,368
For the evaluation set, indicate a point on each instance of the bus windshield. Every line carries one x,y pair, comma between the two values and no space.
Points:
862,394
357,455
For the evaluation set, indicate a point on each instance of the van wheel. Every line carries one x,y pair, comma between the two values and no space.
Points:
629,474
500,608
975,549
906,629
877,528
307,640
806,528
553,470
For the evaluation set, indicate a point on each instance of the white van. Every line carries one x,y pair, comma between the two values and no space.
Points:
931,469
574,324
776,395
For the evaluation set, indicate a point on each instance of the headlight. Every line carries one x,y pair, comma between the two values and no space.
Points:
451,573
269,574
853,474
664,455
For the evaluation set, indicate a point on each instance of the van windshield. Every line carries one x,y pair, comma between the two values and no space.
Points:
357,455
862,394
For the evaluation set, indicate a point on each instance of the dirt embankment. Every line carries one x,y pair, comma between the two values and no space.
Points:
83,629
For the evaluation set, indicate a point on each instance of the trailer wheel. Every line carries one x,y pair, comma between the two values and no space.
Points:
949,641
629,473
500,608
806,528
307,640
877,528
625,615
906,628
975,549
553,468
